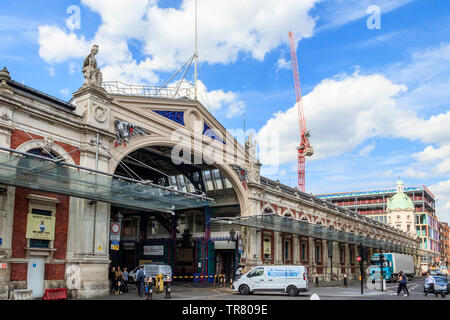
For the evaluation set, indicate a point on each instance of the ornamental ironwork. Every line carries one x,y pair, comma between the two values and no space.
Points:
242,174
124,132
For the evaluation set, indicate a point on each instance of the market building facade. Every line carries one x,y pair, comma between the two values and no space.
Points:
71,170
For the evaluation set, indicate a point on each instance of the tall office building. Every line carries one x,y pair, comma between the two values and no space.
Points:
379,205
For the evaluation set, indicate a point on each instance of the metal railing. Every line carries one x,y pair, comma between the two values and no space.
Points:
183,91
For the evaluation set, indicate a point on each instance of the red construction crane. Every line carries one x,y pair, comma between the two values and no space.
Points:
305,149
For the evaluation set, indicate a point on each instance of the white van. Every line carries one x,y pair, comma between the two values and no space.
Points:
152,269
289,279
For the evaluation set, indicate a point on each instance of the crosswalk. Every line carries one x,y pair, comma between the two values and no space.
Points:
392,290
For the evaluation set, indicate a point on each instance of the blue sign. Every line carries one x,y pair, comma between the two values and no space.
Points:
282,272
1,241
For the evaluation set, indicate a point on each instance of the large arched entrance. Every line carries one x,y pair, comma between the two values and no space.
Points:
184,239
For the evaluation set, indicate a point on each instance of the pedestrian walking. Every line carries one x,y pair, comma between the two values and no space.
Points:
112,277
125,279
345,280
118,279
431,282
140,278
317,280
402,284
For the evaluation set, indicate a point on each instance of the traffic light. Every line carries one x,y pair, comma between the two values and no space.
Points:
363,253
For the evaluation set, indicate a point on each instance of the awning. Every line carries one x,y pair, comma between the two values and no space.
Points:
21,169
303,228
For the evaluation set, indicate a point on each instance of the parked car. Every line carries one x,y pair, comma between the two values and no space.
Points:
151,269
441,286
289,279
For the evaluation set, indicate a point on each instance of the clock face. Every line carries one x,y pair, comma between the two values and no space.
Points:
115,228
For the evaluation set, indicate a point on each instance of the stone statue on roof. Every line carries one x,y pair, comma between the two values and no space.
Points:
91,72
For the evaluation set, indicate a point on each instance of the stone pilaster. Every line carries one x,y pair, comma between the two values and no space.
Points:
88,235
7,194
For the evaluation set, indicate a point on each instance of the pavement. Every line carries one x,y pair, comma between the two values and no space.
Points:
326,291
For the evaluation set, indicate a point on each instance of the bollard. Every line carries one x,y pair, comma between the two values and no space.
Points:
150,289
314,297
168,288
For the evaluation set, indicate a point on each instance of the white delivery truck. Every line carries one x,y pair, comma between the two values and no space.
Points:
289,279
151,269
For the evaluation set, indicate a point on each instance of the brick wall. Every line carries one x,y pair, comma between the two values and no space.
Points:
18,137
18,272
54,271
21,207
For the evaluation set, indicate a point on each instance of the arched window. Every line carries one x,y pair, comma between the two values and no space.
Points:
26,168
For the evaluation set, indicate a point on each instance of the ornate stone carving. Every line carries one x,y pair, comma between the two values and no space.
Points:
124,131
48,143
100,113
91,72
242,174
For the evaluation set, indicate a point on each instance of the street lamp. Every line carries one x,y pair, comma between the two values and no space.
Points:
232,234
233,238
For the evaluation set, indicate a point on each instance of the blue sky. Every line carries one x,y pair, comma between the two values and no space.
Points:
376,100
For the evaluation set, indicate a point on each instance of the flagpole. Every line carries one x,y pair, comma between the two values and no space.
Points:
196,53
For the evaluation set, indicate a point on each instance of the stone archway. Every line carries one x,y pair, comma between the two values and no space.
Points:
150,141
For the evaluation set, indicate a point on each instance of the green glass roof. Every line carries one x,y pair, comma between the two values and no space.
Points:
290,225
34,172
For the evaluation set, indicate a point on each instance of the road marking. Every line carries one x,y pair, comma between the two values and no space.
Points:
201,297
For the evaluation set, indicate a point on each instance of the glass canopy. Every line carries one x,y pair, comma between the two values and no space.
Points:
52,175
302,228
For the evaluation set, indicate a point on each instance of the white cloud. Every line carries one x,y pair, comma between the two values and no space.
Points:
427,74
430,154
282,64
341,113
65,92
367,150
56,45
413,173
441,191
443,167
166,35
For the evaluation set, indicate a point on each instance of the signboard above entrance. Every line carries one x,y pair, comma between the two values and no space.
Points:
40,227
153,250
